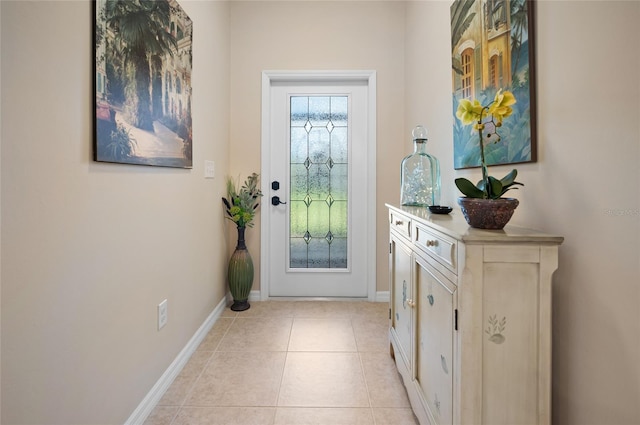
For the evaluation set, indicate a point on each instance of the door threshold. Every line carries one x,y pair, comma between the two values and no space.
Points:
317,299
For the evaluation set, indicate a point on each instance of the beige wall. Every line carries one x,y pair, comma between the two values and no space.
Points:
0,223
90,249
589,151
319,36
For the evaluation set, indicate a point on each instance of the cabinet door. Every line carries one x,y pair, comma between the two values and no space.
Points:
401,298
435,338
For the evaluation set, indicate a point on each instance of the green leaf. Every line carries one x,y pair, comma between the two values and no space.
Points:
510,178
468,188
226,203
505,189
496,187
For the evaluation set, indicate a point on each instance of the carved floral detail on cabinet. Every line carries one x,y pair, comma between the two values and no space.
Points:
404,294
443,362
496,328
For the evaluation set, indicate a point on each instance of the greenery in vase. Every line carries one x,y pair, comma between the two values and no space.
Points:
486,120
242,201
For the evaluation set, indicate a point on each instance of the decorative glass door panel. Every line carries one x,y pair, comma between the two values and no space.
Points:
316,242
319,182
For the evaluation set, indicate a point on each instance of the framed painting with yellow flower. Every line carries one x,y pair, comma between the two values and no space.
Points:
493,51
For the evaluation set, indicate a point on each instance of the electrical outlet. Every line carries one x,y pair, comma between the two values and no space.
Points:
162,314
209,169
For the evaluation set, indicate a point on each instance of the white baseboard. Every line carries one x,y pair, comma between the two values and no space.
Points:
150,401
253,296
382,296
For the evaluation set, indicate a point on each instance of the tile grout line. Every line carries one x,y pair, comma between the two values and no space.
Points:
204,367
284,366
364,376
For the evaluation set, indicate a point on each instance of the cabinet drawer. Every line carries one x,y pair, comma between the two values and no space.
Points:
400,223
438,246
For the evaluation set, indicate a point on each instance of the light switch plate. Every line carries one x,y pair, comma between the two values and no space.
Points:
209,169
163,315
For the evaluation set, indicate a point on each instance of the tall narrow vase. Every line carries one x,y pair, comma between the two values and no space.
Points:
240,274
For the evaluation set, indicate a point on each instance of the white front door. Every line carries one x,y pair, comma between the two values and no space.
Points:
316,142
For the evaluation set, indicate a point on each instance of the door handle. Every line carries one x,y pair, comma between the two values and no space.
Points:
275,201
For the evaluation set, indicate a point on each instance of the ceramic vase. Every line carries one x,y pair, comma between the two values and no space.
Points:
240,274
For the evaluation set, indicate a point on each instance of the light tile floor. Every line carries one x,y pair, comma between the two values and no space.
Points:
291,363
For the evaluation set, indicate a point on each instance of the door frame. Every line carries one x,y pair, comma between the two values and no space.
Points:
367,76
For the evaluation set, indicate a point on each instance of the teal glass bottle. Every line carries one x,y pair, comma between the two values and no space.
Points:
420,174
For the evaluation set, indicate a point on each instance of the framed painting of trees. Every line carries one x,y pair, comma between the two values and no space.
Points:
491,49
143,57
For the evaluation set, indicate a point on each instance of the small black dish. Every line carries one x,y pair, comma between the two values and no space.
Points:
440,209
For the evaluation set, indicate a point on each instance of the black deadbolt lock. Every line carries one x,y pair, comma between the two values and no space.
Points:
275,185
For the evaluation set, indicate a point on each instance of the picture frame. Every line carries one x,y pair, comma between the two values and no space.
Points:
142,79
492,48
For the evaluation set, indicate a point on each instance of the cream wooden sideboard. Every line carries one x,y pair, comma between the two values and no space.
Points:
470,318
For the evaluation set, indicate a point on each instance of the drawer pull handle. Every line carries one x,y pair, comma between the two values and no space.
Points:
431,299
399,223
410,303
432,243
